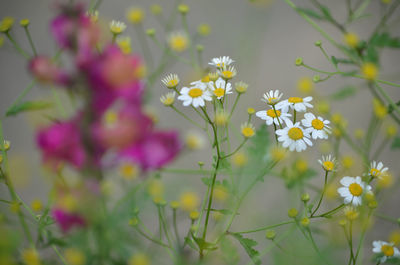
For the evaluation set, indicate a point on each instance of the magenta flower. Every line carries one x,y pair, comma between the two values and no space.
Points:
122,128
74,30
155,150
61,142
67,220
114,75
45,71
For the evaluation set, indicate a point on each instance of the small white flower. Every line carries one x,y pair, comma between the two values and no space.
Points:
316,127
221,62
296,103
387,250
353,189
294,137
196,95
168,99
117,27
227,72
272,97
377,170
220,88
171,81
271,116
328,162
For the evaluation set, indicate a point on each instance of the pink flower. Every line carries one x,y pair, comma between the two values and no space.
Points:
46,71
155,150
62,142
114,75
74,30
67,220
125,127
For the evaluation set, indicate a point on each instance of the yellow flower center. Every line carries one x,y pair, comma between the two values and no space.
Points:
272,99
375,172
273,113
178,43
172,83
205,79
195,92
169,101
328,165
295,100
295,133
110,118
247,132
317,124
227,74
128,171
219,92
387,250
355,189
220,65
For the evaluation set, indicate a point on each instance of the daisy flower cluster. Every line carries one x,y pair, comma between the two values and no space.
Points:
292,132
213,88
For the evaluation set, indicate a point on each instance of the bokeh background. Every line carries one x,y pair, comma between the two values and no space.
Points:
263,36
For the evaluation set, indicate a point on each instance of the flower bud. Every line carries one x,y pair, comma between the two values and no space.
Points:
299,61
318,43
305,197
151,32
183,9
316,78
292,213
270,234
305,222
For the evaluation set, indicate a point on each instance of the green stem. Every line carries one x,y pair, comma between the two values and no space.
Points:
16,46
236,150
322,194
28,35
234,105
152,239
330,212
187,118
265,228
277,117
175,226
360,243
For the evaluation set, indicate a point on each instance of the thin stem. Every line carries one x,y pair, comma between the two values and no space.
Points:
234,105
322,194
175,227
265,228
236,150
16,46
144,44
330,212
28,35
187,118
151,239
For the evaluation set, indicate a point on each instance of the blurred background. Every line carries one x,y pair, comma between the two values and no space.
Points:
264,37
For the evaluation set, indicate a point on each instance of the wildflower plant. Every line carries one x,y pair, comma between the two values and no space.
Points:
112,200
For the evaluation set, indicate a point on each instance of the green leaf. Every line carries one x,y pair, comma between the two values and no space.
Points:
206,181
248,245
396,143
385,40
28,106
204,244
334,60
372,54
310,13
344,93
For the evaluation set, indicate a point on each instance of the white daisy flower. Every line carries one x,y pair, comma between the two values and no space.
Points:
294,137
220,88
328,162
168,99
171,81
316,127
221,62
195,95
377,170
296,103
272,97
387,250
227,72
117,27
353,190
273,116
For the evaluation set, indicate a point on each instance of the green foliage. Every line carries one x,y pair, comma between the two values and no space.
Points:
28,106
248,245
311,13
396,143
385,40
344,93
